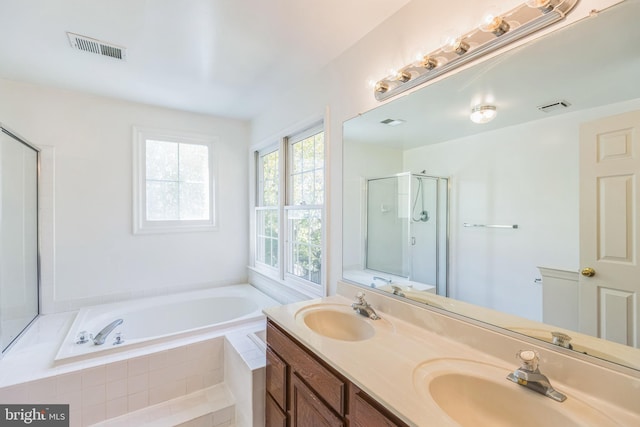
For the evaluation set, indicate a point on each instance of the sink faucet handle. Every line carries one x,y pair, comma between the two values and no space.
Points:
529,359
397,290
360,297
561,339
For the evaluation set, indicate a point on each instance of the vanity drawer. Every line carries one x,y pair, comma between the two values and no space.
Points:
325,383
276,378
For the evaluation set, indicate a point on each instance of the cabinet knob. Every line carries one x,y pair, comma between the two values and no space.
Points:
588,272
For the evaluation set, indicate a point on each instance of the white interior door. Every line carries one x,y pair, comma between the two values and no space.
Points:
609,228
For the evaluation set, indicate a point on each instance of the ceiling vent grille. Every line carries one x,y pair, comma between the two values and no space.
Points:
558,105
87,44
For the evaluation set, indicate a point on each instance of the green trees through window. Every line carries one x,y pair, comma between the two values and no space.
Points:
299,200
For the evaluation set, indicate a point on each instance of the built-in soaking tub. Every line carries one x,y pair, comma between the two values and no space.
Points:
376,279
163,318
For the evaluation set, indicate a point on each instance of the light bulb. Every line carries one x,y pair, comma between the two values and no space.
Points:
492,22
381,87
538,3
544,5
403,76
483,113
428,62
455,44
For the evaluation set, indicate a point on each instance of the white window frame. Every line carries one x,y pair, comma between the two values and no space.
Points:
261,207
280,274
140,223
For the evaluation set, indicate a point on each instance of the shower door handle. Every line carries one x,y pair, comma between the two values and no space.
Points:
413,241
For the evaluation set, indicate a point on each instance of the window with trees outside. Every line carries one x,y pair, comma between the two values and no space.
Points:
290,187
174,182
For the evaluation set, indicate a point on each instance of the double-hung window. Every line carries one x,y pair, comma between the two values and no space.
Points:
174,179
268,209
290,208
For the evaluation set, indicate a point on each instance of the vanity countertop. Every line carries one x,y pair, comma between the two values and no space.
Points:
393,365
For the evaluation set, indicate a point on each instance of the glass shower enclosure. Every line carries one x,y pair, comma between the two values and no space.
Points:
406,228
19,257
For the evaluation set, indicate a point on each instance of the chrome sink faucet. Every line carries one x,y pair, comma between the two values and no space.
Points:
529,375
362,307
104,333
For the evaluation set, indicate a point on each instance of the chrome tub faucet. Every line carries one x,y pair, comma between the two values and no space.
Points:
104,333
373,282
362,307
528,375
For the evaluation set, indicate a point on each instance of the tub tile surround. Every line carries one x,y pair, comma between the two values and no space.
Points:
115,385
244,375
114,389
385,370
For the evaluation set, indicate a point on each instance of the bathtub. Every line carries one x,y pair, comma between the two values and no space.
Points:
366,277
161,319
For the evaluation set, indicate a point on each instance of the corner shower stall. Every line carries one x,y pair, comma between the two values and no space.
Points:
19,267
406,228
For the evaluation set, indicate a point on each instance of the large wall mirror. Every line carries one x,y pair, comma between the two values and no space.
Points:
519,204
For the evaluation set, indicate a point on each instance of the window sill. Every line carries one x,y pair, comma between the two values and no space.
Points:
293,289
167,229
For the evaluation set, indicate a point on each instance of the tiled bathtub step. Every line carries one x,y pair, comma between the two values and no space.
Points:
211,407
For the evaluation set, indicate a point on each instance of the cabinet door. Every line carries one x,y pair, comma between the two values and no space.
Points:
274,416
276,377
322,380
307,410
363,413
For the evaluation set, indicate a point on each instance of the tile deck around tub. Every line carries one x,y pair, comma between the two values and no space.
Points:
213,406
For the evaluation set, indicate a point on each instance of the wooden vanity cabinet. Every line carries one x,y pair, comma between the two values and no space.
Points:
364,411
304,391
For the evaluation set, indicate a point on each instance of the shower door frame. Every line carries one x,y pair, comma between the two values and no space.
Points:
439,286
7,131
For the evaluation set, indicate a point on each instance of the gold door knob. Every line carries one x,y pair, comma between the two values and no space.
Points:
588,272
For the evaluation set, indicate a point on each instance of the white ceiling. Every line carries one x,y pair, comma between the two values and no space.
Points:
222,57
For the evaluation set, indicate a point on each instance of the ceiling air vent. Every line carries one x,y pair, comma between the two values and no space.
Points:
392,122
558,105
87,44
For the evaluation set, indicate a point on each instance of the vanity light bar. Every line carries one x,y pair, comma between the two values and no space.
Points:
515,24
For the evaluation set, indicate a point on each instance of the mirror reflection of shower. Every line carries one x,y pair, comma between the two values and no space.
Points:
406,229
423,214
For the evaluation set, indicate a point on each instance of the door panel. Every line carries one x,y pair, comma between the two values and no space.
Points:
609,196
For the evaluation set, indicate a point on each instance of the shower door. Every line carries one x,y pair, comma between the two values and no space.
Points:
387,225
19,272
407,228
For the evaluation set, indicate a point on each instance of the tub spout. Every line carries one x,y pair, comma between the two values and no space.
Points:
104,333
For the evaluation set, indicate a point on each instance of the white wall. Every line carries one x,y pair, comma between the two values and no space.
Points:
365,163
89,252
525,175
344,87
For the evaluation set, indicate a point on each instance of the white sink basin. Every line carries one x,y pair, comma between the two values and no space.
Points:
478,394
338,324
